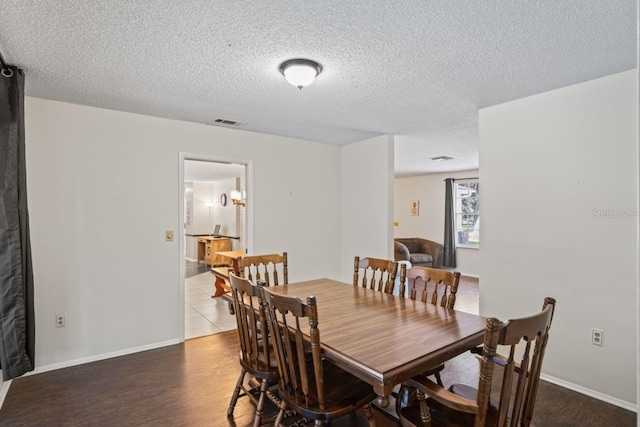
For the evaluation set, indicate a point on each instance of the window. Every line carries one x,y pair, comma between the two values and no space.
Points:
467,208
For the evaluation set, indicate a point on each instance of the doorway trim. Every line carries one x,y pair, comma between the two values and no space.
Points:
248,226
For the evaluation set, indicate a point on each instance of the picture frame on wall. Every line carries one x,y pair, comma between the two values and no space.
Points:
415,207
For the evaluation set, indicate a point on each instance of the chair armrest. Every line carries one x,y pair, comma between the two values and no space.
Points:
400,252
498,359
444,396
436,250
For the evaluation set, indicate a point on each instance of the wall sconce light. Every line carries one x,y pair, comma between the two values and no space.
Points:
209,203
237,198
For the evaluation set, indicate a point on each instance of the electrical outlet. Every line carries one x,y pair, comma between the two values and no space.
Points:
60,321
169,235
597,337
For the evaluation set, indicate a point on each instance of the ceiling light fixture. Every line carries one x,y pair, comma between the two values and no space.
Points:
300,72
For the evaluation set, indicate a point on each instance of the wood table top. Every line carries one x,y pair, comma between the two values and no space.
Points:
231,254
212,238
384,339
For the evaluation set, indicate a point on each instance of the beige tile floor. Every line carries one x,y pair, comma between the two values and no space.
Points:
204,315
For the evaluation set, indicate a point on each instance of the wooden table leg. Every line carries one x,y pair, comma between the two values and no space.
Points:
234,265
383,401
220,287
221,284
407,396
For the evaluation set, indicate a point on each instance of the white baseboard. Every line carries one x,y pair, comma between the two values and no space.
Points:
4,386
191,259
103,356
591,393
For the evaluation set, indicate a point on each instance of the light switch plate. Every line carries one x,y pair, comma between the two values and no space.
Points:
169,235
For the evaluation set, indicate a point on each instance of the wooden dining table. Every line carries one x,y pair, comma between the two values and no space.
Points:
222,273
385,339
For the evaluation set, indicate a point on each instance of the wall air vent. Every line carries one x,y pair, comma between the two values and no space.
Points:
442,158
227,122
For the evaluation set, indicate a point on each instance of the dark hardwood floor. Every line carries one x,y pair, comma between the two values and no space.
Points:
190,384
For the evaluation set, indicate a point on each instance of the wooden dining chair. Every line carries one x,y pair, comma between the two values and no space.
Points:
377,274
256,357
264,268
309,384
462,405
439,287
430,285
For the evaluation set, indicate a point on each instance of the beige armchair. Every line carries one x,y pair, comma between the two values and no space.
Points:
419,252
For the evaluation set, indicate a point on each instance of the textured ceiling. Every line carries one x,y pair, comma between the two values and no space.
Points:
417,69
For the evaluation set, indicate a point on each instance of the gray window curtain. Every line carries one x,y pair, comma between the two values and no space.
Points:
449,225
17,328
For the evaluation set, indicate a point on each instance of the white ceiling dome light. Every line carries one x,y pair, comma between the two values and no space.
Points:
300,72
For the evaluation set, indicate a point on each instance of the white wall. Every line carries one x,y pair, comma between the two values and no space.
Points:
206,211
367,201
429,224
190,243
204,205
99,253
548,164
225,215
202,200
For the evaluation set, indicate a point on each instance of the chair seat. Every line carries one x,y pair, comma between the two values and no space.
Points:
259,368
344,394
444,416
418,258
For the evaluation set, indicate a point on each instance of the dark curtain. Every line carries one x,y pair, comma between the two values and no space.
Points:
449,225
17,328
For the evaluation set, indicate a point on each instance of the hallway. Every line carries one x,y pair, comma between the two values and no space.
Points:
203,315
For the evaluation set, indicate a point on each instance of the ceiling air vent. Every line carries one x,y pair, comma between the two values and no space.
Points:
227,122
441,158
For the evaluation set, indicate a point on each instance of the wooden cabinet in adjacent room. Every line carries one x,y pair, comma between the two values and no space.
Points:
207,248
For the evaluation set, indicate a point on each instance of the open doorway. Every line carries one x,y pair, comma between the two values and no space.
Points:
212,222
209,210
